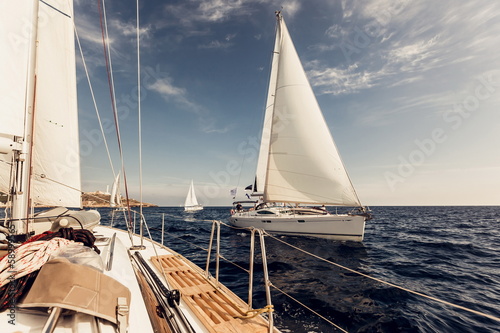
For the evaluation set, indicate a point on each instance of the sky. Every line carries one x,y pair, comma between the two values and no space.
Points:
409,89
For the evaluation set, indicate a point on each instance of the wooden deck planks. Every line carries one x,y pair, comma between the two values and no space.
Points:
215,307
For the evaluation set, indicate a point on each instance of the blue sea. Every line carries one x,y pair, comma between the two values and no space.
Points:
450,253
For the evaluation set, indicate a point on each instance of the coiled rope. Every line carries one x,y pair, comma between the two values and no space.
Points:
255,312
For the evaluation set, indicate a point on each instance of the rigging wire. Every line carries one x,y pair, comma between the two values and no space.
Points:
139,111
94,100
385,282
107,56
308,308
248,271
342,267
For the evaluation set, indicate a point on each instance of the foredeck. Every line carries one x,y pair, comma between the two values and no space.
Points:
215,305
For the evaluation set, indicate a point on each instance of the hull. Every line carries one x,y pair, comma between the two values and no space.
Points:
336,227
193,208
146,300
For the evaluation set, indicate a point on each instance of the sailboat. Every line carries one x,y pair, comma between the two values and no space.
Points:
191,203
73,274
115,197
299,169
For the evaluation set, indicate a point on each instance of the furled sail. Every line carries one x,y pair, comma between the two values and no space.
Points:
303,164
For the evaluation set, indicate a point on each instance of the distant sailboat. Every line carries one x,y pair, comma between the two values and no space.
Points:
191,203
298,161
115,198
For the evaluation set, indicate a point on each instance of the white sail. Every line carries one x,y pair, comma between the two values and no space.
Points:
15,35
303,165
260,175
115,198
55,160
191,197
56,170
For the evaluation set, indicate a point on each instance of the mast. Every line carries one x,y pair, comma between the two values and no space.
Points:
262,163
23,146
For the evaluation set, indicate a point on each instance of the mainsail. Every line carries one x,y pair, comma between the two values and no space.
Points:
300,159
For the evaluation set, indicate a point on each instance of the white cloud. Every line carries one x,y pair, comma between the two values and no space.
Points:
291,7
215,44
218,10
341,81
170,92
166,88
416,56
129,29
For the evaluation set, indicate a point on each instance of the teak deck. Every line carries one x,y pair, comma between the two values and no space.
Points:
215,306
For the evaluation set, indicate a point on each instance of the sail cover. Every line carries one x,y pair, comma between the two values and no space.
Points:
303,165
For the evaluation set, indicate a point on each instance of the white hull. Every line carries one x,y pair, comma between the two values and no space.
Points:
117,256
336,227
193,208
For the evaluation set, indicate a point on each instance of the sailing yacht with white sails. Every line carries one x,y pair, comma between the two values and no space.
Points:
191,203
299,169
60,270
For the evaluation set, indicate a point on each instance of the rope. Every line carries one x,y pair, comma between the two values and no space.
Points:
14,290
28,258
185,241
267,308
348,269
308,308
390,284
256,312
376,279
84,236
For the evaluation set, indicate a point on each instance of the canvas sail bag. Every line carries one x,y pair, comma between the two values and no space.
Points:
79,288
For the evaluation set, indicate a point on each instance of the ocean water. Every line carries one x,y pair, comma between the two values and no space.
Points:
450,253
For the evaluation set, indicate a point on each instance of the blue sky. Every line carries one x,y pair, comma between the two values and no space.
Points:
410,91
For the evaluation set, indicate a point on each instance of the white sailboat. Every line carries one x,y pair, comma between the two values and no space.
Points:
115,197
133,284
191,203
298,164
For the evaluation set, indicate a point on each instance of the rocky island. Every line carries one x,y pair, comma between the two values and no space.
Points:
101,199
